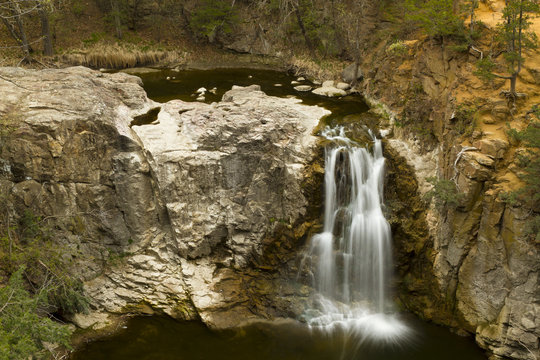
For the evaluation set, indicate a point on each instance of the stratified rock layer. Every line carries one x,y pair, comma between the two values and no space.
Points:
167,216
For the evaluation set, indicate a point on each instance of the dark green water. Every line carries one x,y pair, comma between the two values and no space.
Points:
159,338
186,83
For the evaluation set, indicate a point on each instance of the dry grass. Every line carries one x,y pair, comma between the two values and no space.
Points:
120,57
322,70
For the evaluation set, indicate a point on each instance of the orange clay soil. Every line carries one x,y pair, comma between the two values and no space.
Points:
492,127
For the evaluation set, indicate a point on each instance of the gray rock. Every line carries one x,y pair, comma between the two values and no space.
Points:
329,91
217,183
348,74
303,88
164,216
343,86
328,83
483,262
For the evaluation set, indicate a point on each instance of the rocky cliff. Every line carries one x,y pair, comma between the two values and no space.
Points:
184,213
471,266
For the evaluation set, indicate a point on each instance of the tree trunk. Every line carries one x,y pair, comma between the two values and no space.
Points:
455,7
302,27
356,52
23,39
116,16
473,9
513,81
45,31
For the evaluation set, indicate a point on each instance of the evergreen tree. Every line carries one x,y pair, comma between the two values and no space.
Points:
24,324
438,18
513,36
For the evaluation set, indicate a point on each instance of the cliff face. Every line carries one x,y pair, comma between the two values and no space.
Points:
471,266
177,216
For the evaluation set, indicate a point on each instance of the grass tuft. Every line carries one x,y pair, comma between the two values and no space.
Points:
119,57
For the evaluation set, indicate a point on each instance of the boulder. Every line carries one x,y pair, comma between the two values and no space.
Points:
343,86
476,165
348,74
303,88
329,91
219,168
495,148
328,83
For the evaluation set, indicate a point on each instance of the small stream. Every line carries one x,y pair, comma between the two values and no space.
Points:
163,338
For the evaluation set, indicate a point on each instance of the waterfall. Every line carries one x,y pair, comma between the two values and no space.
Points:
351,258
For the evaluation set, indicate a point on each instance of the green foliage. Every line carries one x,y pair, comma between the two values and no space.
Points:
320,31
530,162
532,228
536,111
460,48
436,17
78,7
24,325
398,48
213,17
465,119
444,192
94,38
512,36
484,69
28,244
531,138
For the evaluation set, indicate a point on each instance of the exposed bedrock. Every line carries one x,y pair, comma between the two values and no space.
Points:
186,215
472,266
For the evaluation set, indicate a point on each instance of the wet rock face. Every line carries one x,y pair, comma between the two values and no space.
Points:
160,217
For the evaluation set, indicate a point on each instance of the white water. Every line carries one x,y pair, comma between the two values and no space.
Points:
351,257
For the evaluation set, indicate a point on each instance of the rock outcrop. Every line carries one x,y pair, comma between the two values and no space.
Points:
175,214
483,268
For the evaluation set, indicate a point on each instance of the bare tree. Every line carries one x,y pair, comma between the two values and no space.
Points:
43,8
289,7
13,14
115,12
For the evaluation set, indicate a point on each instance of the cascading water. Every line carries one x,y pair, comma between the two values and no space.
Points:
351,258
